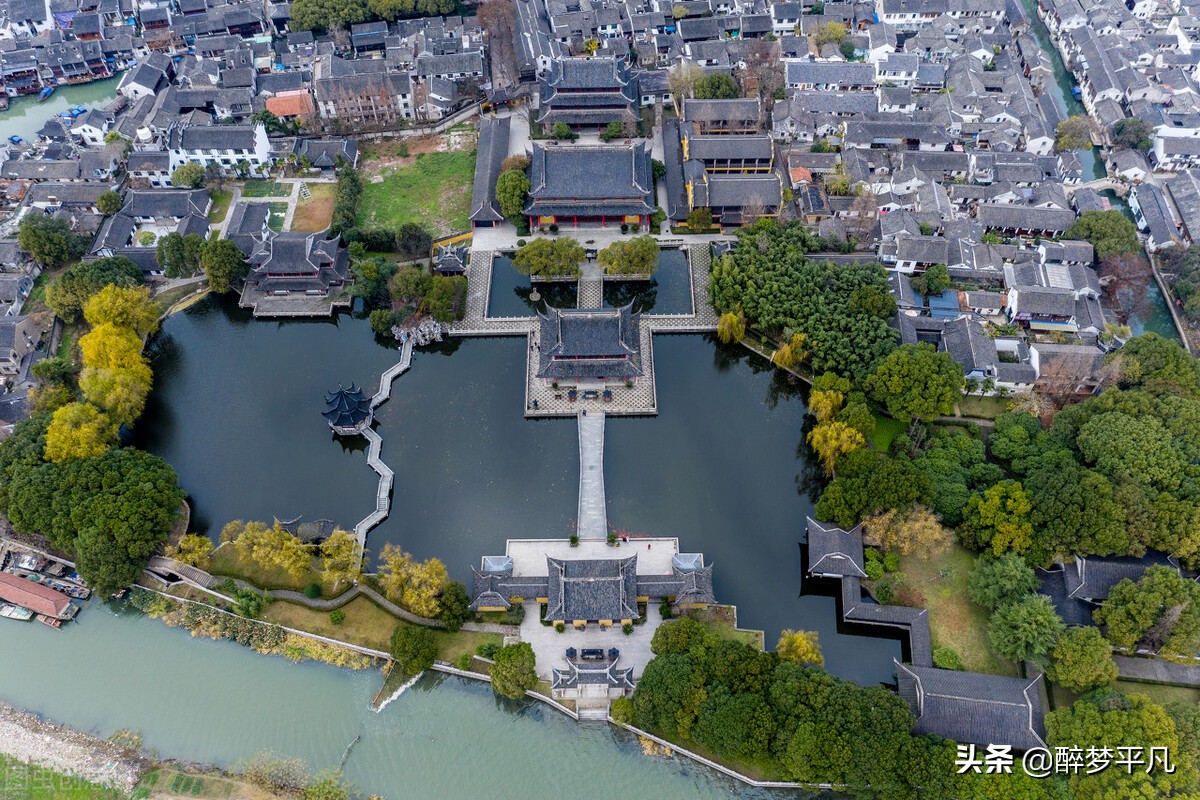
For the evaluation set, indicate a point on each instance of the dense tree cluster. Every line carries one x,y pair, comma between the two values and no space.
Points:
769,279
1160,613
1110,232
550,258
414,648
868,482
110,511
716,86
1108,719
1113,475
636,256
189,175
748,706
916,382
179,255
513,672
512,187
223,264
67,293
349,190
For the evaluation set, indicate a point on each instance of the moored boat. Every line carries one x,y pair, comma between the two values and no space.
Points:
9,611
45,94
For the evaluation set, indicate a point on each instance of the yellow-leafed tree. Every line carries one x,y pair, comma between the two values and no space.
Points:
916,531
800,647
341,558
192,549
111,346
124,307
825,405
832,440
120,392
79,430
415,585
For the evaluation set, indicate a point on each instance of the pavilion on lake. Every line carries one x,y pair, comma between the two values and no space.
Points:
586,346
348,411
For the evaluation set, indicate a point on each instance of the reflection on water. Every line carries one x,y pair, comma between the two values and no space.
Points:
510,292
723,466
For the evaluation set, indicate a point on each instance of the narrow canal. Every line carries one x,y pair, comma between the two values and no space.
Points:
218,702
25,116
723,466
1151,315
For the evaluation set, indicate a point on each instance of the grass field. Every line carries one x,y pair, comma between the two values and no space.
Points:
721,620
220,205
315,213
21,781
278,214
886,429
266,189
434,190
164,300
983,407
227,563
370,626
955,621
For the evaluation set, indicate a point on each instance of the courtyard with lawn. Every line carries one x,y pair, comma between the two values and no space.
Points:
433,189
315,212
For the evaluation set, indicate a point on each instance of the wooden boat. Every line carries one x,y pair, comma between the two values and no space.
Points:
49,621
45,94
9,611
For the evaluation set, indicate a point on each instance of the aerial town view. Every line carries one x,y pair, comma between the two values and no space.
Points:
573,398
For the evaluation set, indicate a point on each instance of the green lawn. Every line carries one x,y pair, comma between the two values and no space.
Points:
886,429
434,190
983,407
227,563
220,205
21,781
266,189
164,300
955,621
370,626
278,214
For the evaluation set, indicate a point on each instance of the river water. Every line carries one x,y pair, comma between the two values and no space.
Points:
218,702
26,116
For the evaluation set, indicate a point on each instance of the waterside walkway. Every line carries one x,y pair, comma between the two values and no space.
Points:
593,520
383,494
545,400
173,572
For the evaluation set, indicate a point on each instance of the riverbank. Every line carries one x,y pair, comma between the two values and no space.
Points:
29,739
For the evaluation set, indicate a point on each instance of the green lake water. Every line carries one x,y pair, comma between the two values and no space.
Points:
26,116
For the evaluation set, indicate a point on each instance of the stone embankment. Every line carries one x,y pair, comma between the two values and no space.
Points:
35,741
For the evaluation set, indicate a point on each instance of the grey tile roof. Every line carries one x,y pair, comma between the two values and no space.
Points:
1012,217
592,589
833,551
579,343
613,177
491,151
1091,578
974,708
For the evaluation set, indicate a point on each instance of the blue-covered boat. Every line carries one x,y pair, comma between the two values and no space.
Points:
45,95
15,139
77,110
